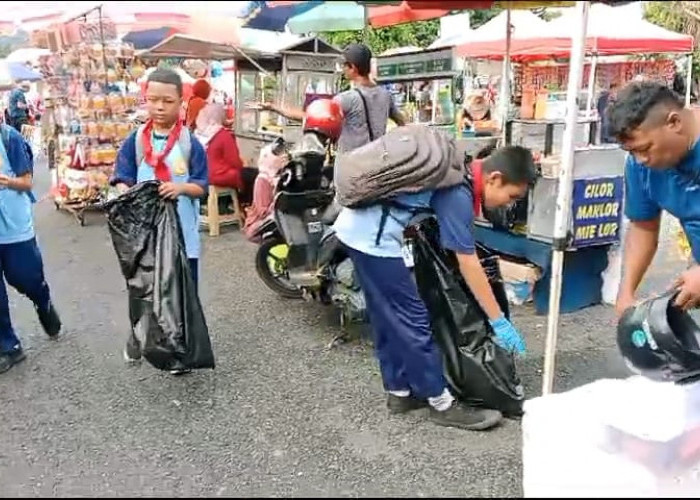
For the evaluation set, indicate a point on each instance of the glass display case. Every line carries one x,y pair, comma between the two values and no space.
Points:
423,84
303,88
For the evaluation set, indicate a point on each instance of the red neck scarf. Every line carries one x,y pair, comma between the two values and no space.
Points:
157,160
477,185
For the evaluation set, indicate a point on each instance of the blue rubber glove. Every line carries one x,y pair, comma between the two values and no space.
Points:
507,336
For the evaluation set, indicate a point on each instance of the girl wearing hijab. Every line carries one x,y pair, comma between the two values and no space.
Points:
223,157
201,90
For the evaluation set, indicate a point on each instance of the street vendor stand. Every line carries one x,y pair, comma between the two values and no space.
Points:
596,172
425,85
86,110
293,75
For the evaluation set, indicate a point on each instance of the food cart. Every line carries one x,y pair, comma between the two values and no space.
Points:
293,75
426,85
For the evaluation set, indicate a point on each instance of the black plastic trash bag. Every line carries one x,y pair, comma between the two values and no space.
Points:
164,308
479,372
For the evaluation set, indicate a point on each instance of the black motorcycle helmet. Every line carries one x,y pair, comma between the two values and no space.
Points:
660,341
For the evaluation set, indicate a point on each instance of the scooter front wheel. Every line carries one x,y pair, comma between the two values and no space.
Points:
271,266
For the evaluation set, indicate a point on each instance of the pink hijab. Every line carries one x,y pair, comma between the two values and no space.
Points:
209,121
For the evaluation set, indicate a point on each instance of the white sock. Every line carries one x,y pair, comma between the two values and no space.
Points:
443,401
401,394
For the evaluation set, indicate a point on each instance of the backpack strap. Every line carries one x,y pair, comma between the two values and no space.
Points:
387,205
364,106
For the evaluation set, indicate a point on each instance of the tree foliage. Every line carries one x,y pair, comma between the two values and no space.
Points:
418,34
682,17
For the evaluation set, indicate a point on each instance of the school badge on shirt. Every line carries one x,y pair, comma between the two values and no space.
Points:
180,167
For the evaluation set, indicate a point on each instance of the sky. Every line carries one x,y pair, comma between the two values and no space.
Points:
15,11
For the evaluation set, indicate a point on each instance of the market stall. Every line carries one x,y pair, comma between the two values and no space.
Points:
88,111
596,203
293,75
426,85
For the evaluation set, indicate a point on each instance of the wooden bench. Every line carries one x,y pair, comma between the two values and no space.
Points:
213,220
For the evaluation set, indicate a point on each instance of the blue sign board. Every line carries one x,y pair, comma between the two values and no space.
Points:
597,211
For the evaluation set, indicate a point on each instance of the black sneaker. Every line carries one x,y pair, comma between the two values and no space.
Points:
465,417
180,371
10,359
398,405
132,351
49,320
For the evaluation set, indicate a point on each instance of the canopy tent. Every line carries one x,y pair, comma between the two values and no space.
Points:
146,39
607,36
20,71
27,54
489,40
191,47
611,34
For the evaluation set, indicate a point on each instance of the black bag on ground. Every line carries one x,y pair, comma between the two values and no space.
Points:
164,308
478,371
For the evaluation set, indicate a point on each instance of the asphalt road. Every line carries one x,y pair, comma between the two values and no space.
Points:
280,416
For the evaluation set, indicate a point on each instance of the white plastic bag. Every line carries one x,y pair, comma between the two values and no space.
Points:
571,445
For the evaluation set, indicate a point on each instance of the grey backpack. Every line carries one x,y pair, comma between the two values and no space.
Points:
408,159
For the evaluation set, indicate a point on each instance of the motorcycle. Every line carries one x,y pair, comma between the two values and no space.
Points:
299,254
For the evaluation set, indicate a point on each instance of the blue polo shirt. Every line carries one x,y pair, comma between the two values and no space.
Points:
16,219
676,190
453,207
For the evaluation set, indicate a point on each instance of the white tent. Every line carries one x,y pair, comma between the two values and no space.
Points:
28,54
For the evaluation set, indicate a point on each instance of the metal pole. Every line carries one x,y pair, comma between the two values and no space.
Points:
102,42
591,91
591,84
689,80
505,82
365,27
563,206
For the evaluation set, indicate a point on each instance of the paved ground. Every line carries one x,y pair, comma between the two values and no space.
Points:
280,416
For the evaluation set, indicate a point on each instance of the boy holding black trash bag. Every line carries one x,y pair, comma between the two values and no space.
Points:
163,156
372,231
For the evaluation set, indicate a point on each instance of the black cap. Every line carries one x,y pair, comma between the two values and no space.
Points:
358,55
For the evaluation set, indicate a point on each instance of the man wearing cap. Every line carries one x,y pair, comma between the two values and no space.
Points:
19,114
366,107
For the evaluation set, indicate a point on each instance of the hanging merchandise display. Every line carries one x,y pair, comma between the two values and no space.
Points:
533,79
90,102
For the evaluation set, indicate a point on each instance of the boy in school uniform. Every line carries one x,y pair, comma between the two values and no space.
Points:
20,259
164,149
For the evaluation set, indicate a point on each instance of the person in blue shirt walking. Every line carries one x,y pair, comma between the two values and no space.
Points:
165,150
20,259
409,361
662,172
18,107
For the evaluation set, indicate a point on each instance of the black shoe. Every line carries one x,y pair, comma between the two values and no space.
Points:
132,351
10,359
465,417
49,320
398,405
180,371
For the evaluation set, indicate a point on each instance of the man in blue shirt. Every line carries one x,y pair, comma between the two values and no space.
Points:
410,363
20,258
19,110
662,173
165,150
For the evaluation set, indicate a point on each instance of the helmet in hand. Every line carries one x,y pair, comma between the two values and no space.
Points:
324,117
660,341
